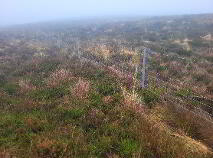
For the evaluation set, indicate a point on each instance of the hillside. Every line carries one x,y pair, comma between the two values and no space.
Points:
71,89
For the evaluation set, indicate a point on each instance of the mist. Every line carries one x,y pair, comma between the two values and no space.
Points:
25,11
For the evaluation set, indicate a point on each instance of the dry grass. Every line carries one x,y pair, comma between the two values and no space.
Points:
25,85
48,148
193,145
126,51
107,99
112,156
5,155
157,136
100,50
166,143
196,126
95,117
132,101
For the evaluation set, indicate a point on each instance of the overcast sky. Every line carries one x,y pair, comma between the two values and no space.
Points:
25,11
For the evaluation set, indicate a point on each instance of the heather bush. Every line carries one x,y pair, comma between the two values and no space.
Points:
125,78
81,89
58,76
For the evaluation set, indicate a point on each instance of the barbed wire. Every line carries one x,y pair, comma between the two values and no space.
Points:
202,114
184,97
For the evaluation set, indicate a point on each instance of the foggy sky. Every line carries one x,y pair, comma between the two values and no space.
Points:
26,11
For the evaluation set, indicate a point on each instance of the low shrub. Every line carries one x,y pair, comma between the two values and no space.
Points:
150,96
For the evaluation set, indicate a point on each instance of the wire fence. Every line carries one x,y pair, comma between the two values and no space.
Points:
204,110
180,102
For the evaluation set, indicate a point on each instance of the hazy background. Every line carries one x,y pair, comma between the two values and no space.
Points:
26,11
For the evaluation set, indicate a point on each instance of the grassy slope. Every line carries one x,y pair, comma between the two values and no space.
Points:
58,108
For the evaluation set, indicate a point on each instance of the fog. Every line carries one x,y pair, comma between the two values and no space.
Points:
27,11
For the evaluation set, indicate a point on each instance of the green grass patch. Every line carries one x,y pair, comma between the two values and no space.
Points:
48,66
151,96
10,88
102,146
74,113
127,147
107,87
49,93
184,92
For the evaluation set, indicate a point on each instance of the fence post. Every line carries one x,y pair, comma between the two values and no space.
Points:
144,76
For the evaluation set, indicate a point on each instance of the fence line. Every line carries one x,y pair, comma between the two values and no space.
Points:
180,103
